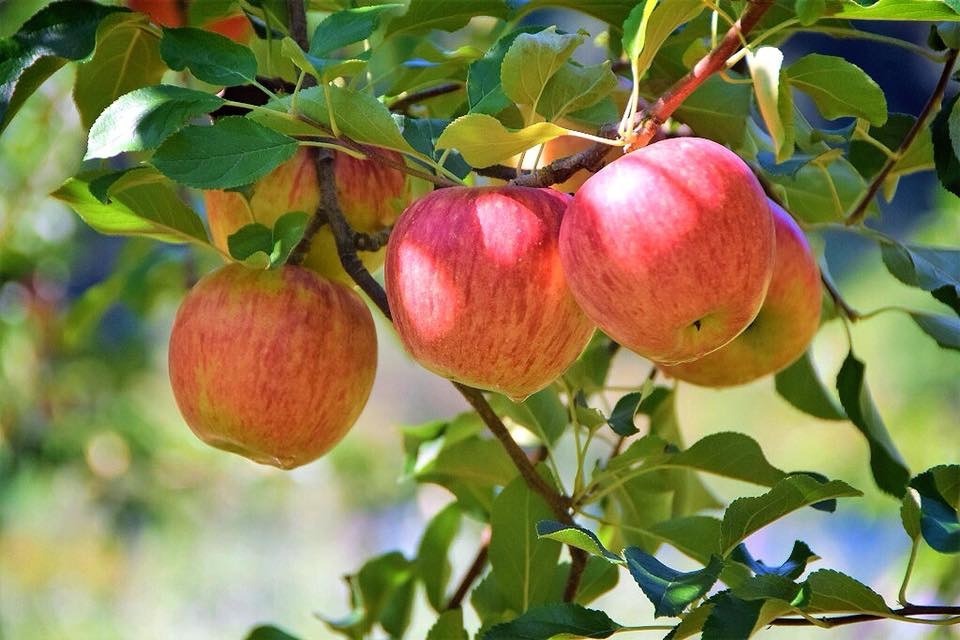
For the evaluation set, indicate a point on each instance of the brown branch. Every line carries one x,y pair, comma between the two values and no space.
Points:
561,169
400,105
860,210
316,222
297,15
372,241
716,60
471,576
912,610
498,171
578,562
849,312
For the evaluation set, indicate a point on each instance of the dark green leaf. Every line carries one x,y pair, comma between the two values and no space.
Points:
718,110
944,329
744,516
589,372
141,202
932,269
809,11
144,118
422,134
383,593
613,12
765,586
576,536
268,632
470,468
543,623
210,57
522,564
794,566
449,626
250,239
346,27
730,617
669,590
621,419
449,15
127,57
800,385
233,152
889,470
939,490
287,232
834,592
947,163
433,565
59,32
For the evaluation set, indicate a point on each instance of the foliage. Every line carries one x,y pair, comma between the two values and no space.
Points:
460,88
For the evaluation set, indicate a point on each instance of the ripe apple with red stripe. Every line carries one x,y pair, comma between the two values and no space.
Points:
781,332
670,249
477,291
273,365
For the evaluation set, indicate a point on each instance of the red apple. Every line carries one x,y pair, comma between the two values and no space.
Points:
167,13
477,291
670,249
781,332
371,195
272,365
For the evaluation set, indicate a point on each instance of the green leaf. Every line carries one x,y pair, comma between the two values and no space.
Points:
774,99
910,516
934,10
141,202
589,372
744,516
809,11
835,592
792,568
484,88
449,626
483,141
621,418
210,56
433,565
947,163
944,329
729,454
669,590
574,87
127,57
288,230
142,119
233,152
838,88
939,490
822,189
648,26
422,134
718,110
801,385
889,470
932,269
730,617
522,564
532,60
358,115
549,621
470,469
250,239
599,577
449,15
59,32
543,413
268,632
576,536
341,28
383,593
868,159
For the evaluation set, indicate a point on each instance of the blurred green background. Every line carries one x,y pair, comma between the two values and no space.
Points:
116,523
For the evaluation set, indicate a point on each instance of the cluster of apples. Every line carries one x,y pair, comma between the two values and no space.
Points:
673,250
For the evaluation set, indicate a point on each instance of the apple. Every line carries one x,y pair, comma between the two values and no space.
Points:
670,249
371,196
781,332
166,13
477,291
273,365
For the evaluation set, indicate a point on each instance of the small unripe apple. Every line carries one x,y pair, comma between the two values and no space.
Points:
371,196
781,332
670,249
476,288
273,365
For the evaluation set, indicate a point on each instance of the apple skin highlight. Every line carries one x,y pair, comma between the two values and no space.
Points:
273,365
670,249
782,331
477,291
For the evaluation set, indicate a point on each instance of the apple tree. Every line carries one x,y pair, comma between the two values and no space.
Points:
442,139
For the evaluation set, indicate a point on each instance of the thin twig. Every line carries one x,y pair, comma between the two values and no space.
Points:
297,15
316,222
716,60
851,314
400,105
561,169
912,610
471,576
860,210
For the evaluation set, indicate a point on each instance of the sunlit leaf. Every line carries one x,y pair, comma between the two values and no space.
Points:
576,536
669,590
532,60
483,141
839,88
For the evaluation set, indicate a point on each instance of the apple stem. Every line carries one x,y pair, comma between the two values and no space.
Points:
860,209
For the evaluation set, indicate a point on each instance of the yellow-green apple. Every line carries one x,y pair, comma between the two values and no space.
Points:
476,288
670,249
273,365
783,329
371,196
